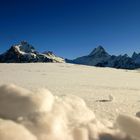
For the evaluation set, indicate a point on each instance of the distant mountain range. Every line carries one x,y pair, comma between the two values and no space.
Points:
99,57
26,53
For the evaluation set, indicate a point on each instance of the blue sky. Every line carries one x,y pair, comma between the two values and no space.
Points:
71,28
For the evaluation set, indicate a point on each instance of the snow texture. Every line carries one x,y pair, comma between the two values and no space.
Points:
38,115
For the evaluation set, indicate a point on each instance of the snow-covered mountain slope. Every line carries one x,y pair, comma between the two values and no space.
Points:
24,53
24,48
51,55
99,57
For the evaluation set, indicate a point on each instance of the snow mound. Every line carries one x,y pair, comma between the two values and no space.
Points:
10,130
130,125
38,115
16,101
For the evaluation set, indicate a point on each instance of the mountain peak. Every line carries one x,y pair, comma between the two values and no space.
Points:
100,47
23,42
134,55
24,46
99,51
24,52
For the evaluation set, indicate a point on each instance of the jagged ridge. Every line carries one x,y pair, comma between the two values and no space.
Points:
99,57
25,53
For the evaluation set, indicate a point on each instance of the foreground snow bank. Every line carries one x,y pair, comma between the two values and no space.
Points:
38,115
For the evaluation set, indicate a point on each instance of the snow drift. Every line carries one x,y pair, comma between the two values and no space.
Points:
38,115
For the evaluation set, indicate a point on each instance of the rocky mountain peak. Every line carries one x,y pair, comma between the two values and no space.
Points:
134,55
99,52
24,46
25,53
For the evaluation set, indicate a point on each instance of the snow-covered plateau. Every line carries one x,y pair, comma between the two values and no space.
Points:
60,101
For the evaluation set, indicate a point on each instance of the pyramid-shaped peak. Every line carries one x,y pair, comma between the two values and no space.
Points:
99,51
100,47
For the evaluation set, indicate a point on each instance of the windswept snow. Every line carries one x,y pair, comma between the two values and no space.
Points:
75,110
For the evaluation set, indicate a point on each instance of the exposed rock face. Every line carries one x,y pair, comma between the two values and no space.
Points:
99,57
25,47
136,57
123,62
25,53
99,52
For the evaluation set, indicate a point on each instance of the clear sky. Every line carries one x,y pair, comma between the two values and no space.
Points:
71,28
